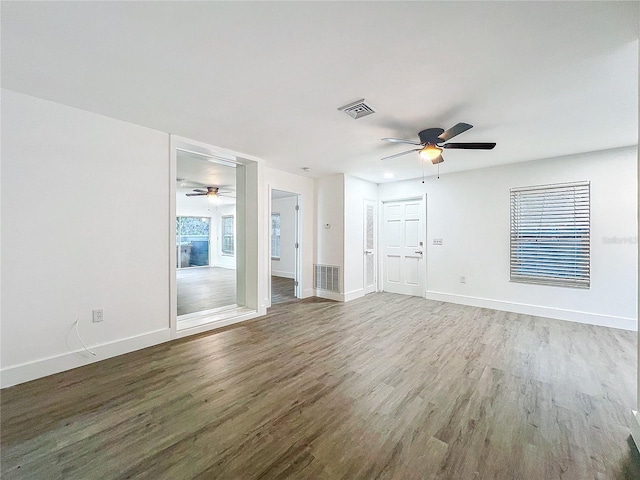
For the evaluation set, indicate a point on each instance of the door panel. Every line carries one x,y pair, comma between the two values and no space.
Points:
370,257
393,269
403,236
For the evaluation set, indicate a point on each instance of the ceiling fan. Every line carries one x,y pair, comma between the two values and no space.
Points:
209,192
432,142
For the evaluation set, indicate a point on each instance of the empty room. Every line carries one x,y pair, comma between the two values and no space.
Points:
319,240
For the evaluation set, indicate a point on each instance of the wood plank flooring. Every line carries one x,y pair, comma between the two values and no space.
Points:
205,288
386,386
282,290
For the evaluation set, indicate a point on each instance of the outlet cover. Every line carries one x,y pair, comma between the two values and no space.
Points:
98,315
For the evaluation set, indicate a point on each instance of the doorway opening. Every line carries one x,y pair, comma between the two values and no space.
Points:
205,239
285,246
215,258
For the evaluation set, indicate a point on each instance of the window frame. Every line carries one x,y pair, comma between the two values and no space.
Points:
550,235
224,236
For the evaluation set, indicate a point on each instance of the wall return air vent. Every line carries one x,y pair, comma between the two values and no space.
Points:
327,277
357,109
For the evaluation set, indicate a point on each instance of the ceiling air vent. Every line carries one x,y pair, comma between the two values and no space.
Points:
358,109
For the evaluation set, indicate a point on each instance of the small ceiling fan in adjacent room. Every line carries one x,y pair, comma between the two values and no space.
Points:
210,192
432,143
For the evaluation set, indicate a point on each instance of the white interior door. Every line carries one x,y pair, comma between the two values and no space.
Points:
370,257
403,247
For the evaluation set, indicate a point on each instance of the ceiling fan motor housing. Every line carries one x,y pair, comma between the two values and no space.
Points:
430,136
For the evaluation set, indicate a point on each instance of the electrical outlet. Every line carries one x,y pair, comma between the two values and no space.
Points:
437,241
463,279
98,315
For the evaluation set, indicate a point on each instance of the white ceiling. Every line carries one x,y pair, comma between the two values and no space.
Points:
541,79
193,170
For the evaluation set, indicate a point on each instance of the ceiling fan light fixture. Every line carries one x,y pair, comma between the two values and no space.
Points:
430,152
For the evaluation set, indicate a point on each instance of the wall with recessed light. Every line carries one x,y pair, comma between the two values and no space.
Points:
469,211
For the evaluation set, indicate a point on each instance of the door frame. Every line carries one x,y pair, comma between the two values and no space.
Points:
251,236
375,288
423,212
297,273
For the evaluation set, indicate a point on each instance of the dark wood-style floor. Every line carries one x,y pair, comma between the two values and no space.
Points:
282,290
386,386
205,288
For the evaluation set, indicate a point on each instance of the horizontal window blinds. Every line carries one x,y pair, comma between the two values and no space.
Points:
550,235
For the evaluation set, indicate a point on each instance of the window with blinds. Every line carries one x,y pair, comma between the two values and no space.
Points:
550,235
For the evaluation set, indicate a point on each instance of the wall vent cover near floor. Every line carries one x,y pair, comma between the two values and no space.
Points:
327,277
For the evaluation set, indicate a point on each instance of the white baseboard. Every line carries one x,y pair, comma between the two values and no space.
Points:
352,295
59,363
227,318
537,310
338,297
278,273
635,428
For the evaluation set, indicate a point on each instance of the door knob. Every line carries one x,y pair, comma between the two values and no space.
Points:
420,252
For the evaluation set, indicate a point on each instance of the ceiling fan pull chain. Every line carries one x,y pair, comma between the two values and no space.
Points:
438,171
422,161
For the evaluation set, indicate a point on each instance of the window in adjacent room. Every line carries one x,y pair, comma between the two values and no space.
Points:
227,235
275,236
550,235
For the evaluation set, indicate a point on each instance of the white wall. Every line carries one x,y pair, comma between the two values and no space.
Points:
356,191
286,264
330,198
470,212
306,188
85,203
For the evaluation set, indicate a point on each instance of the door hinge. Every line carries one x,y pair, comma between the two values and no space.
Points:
297,245
297,207
295,283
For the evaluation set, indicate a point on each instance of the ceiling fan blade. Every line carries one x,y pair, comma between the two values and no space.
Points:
399,140
400,154
470,146
226,195
199,190
453,131
195,194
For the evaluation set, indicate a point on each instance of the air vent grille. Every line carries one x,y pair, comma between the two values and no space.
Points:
327,277
358,109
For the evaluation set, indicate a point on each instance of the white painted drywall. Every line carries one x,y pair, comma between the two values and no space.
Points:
306,188
469,211
356,191
330,224
85,203
286,264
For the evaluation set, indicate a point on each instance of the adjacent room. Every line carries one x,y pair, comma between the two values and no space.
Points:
324,240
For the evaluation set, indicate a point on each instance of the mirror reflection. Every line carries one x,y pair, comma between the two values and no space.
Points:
205,234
